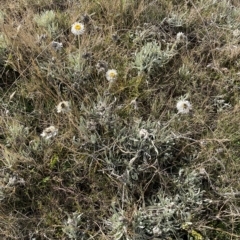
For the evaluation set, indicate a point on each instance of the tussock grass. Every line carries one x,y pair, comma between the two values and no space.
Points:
123,163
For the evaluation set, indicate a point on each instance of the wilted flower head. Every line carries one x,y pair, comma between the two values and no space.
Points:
115,37
87,55
86,18
102,66
111,75
77,28
49,132
184,106
56,45
143,133
63,107
181,37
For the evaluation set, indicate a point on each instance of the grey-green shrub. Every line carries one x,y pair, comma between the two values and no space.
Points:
151,57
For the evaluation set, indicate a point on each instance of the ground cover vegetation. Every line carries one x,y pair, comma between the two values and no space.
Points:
120,119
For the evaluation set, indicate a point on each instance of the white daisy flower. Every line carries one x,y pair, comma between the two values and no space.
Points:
111,75
63,107
77,28
184,106
49,132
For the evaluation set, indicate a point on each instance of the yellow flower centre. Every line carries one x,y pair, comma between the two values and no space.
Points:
112,74
78,27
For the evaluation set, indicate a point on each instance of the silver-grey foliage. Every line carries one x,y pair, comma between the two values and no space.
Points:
151,57
164,214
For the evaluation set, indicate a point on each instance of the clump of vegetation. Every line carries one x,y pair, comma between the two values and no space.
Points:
163,216
119,120
151,58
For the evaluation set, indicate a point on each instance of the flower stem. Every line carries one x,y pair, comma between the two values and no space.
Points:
79,57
